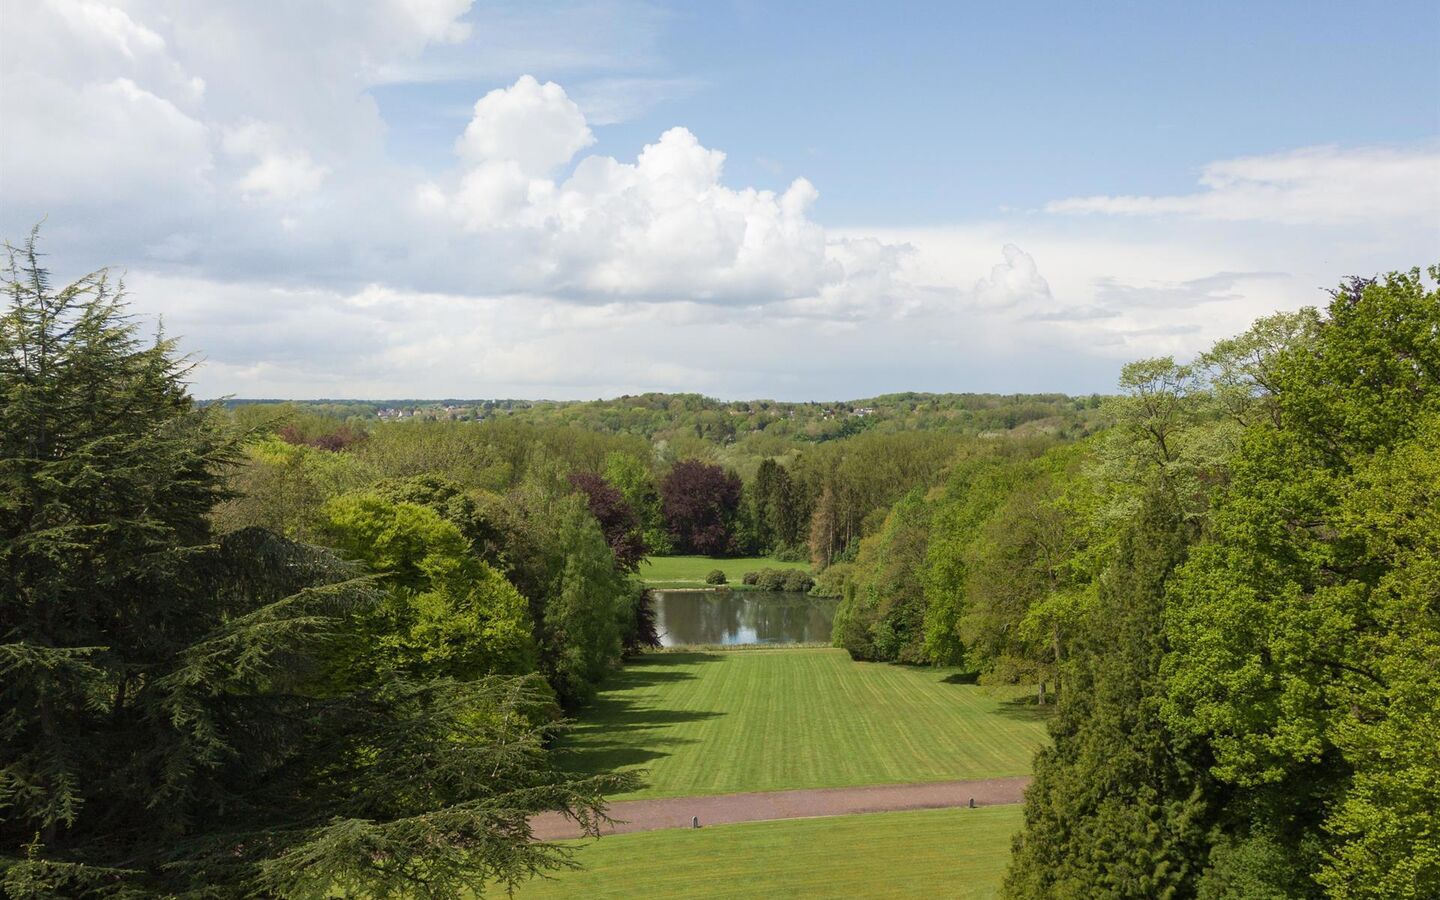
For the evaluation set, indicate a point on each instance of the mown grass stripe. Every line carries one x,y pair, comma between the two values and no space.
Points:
959,853
711,723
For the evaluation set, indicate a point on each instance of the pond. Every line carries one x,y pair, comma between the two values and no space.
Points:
742,617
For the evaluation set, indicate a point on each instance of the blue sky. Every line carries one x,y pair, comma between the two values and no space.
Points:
923,113
447,198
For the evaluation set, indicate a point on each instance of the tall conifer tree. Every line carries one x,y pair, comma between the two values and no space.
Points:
167,721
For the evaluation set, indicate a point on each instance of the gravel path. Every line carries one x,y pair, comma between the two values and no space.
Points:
675,812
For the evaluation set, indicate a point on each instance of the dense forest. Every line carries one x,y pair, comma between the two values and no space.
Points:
255,648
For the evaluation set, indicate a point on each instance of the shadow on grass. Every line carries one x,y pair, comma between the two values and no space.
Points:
655,668
1025,709
617,729
962,678
595,757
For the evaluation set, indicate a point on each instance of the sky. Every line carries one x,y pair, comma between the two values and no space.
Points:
445,198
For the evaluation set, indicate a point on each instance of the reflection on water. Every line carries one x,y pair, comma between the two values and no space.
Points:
742,617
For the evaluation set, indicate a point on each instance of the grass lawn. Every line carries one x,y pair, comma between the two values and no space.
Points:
690,571
929,853
765,720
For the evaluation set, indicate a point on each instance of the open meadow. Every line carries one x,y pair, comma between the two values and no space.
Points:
766,720
690,571
959,853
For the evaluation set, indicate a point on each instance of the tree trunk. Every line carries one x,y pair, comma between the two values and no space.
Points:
1055,642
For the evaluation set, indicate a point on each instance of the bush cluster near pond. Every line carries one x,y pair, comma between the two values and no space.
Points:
958,853
693,571
796,581
767,720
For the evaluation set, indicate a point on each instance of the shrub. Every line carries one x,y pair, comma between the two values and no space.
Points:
831,582
715,577
770,580
750,578
798,580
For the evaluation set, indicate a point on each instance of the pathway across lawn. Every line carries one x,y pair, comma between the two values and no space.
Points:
772,720
724,809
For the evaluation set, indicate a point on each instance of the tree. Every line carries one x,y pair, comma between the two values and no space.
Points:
617,519
976,486
468,510
585,609
1305,629
700,503
282,487
643,632
632,477
588,609
1249,705
779,521
168,725
1027,571
445,613
1121,806
1118,808
883,617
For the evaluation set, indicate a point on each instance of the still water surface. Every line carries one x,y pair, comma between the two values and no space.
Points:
742,617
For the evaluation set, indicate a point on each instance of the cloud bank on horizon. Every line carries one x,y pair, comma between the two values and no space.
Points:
237,166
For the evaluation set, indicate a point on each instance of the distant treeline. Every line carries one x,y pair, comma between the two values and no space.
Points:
807,501
667,418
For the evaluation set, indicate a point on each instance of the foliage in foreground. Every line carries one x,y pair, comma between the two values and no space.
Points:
1249,698
172,717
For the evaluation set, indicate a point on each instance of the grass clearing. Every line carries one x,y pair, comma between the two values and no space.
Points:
768,720
959,853
690,571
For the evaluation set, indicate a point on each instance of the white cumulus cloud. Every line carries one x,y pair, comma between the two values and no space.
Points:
535,126
664,225
275,172
1012,282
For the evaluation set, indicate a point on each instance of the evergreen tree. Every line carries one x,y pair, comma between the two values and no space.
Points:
167,721
1118,808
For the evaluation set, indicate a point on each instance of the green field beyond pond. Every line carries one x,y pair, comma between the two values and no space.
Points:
690,571
959,853
767,720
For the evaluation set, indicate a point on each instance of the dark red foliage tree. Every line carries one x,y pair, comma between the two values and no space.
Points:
617,518
342,437
700,503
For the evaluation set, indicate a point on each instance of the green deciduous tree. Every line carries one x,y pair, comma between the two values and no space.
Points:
1306,629
445,612
633,478
1026,583
882,617
976,486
